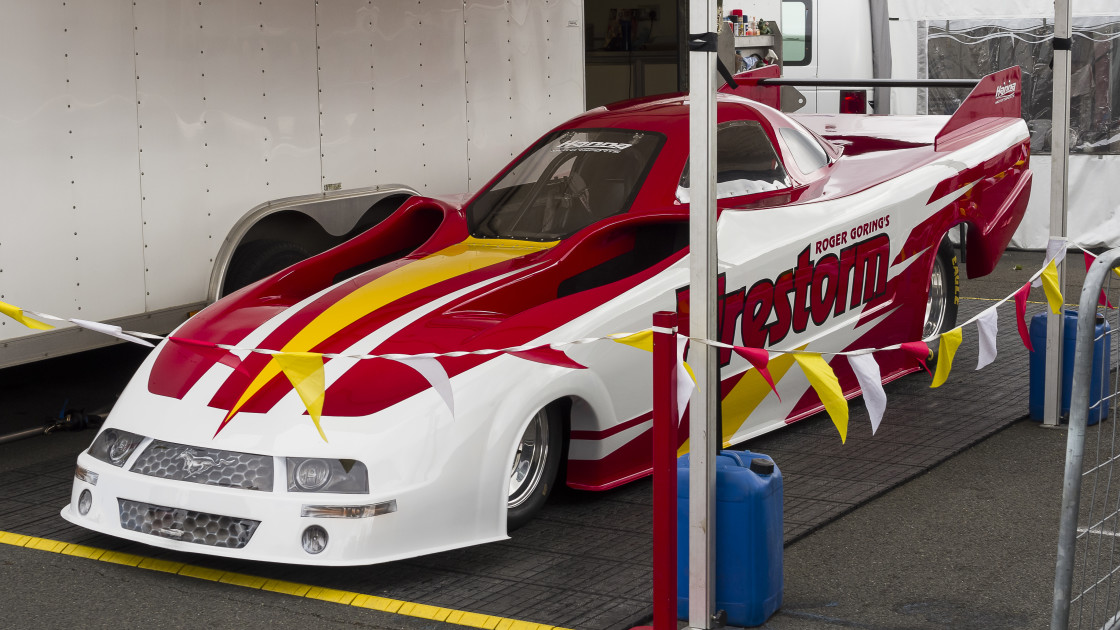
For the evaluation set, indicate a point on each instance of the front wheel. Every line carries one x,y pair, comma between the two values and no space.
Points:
944,292
534,467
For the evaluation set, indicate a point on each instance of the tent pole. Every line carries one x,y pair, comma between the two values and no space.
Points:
702,314
1059,200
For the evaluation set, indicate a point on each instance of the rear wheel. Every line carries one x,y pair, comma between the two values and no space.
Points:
535,463
944,292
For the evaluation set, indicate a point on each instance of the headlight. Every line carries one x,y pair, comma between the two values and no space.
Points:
312,474
114,446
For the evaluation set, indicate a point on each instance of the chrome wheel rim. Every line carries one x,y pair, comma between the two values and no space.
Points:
937,301
529,461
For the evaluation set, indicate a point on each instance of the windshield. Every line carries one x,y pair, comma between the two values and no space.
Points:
745,163
570,181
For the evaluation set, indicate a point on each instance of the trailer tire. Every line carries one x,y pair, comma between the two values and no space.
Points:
259,259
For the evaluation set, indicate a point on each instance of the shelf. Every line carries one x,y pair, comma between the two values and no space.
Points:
754,41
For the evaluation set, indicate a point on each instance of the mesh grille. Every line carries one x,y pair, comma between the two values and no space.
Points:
212,467
186,525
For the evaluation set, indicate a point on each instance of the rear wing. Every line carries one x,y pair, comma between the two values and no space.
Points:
996,96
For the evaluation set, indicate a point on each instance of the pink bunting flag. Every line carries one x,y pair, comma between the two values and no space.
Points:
919,350
1021,313
220,355
759,358
1103,299
870,380
549,356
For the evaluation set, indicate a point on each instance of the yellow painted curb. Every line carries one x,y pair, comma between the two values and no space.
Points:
307,591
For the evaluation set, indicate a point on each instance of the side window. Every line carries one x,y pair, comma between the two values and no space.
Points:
746,163
797,32
806,151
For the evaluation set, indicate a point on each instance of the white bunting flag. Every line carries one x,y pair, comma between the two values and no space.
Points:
685,382
107,329
870,380
1056,251
987,325
435,374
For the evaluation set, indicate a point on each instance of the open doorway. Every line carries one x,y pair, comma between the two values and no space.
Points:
633,48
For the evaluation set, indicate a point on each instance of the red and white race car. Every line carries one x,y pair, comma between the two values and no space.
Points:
831,236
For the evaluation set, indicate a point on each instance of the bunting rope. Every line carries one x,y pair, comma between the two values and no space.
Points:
305,370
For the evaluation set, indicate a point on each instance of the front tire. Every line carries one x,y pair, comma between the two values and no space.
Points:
535,463
944,292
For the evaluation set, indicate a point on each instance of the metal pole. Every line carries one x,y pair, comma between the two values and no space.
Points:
881,53
1075,441
1059,200
664,470
702,318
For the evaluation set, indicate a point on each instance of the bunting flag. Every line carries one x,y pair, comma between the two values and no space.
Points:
987,325
759,358
1103,299
220,355
686,380
919,350
824,382
433,371
870,380
305,371
549,356
1050,287
640,340
16,313
112,331
1021,313
945,351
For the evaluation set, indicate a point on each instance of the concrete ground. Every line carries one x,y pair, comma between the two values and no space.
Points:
970,544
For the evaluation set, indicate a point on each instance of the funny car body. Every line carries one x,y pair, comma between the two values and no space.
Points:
832,235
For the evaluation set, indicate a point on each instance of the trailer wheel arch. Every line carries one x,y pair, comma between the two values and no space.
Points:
285,229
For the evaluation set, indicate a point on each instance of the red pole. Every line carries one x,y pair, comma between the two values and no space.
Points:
664,470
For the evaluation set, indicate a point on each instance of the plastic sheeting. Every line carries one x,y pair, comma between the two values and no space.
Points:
956,48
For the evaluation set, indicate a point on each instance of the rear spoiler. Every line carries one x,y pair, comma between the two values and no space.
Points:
998,95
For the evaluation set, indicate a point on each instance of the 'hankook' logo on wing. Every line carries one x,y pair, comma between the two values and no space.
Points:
1006,91
195,464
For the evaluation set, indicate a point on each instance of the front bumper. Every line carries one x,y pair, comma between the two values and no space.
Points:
244,524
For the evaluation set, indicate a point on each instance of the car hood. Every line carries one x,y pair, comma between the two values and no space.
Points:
454,293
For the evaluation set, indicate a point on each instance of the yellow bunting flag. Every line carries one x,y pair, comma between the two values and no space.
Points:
946,348
642,340
16,313
305,371
1050,287
825,383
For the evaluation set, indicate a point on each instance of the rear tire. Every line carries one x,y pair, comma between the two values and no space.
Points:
944,292
535,463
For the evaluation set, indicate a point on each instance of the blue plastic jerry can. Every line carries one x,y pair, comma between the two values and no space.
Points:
748,553
1098,384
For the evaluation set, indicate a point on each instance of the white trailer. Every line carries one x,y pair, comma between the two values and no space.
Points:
157,154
